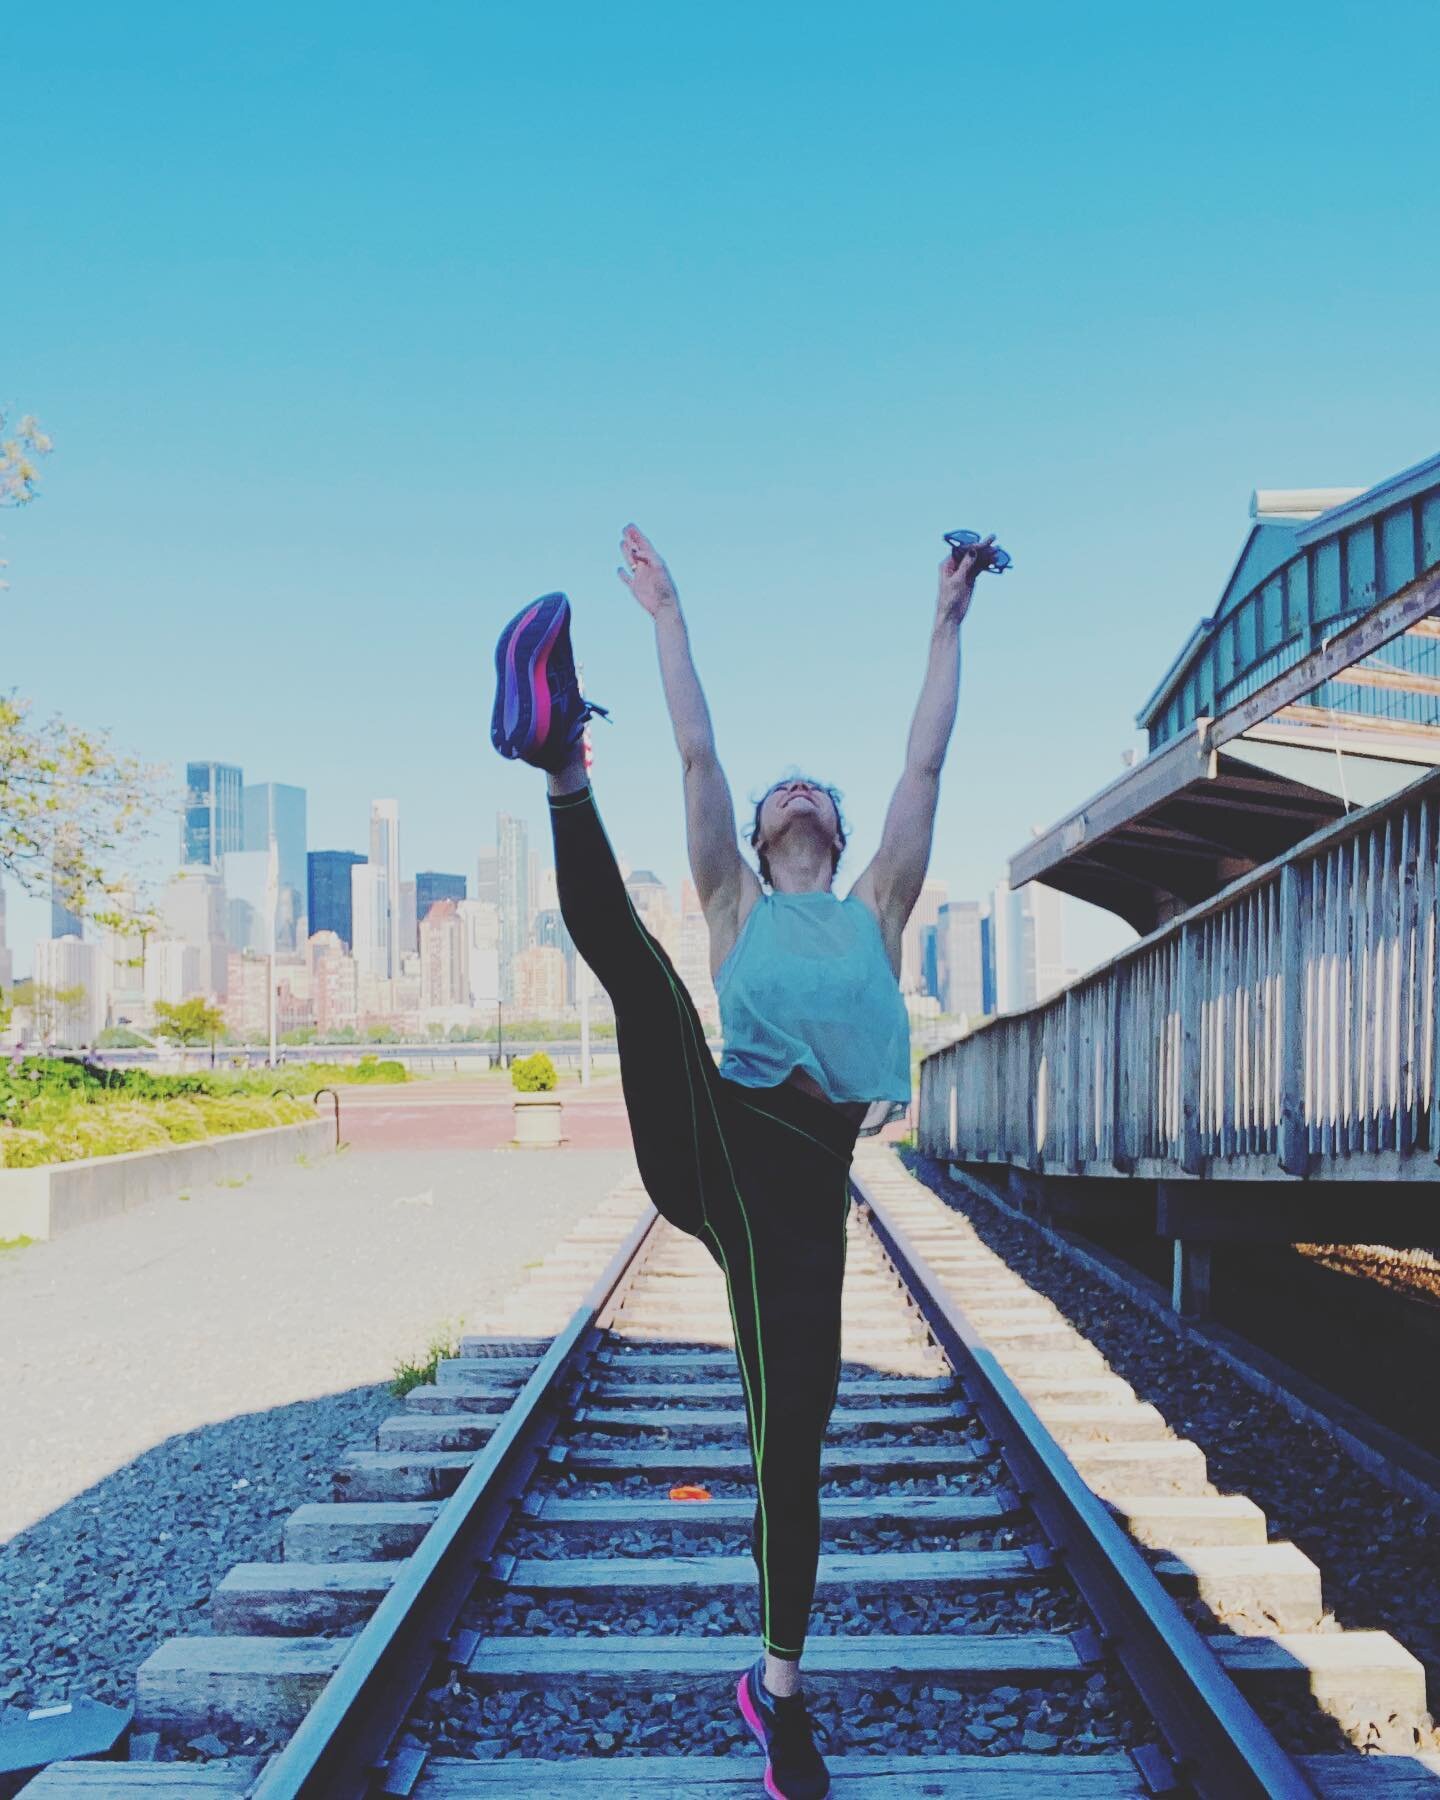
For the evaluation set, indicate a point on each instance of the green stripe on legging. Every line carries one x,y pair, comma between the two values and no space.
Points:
757,1438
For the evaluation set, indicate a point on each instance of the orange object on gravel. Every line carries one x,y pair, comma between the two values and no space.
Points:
687,1492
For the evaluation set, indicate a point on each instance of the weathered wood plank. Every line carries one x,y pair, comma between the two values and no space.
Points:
235,1775
300,1599
903,1416
192,1684
536,1662
1019,1777
358,1531
928,1571
837,1459
598,1520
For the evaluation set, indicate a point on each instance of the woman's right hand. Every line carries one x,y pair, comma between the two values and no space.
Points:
645,574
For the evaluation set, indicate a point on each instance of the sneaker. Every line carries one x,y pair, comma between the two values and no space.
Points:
796,1770
540,713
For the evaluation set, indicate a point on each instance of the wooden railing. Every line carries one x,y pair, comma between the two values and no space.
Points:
1286,1027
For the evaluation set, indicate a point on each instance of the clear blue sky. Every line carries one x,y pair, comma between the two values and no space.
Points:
358,326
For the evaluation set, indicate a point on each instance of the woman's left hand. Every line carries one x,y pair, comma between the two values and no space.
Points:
957,579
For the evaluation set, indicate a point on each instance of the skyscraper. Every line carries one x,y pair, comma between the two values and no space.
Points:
370,918
487,877
274,811
192,913
63,867
214,813
327,905
513,880
409,936
959,960
430,886
63,922
933,895
250,907
385,856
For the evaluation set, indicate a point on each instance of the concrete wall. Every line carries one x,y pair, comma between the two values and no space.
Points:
43,1202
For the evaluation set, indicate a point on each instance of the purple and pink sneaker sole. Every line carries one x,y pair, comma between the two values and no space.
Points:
756,1724
523,716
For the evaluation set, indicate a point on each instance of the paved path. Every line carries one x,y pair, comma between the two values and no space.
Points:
178,1379
475,1113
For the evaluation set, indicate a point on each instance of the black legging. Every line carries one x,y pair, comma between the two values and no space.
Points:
759,1175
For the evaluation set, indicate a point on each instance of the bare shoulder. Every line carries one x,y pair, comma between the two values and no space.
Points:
888,918
726,914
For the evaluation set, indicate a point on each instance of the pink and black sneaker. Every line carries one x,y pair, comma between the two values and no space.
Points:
540,713
795,1770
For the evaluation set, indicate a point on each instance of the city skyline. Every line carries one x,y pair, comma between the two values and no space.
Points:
422,953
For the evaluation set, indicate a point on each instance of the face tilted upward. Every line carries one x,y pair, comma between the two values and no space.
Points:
798,805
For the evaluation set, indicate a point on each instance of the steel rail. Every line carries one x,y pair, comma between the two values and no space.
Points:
339,1750
1221,1748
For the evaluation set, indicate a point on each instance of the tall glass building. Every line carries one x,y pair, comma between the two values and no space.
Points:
327,904
431,885
214,813
273,810
513,882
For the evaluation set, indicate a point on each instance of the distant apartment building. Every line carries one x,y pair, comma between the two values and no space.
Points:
213,822
443,982
247,994
431,885
174,971
328,892
551,933
275,813
68,1003
652,902
480,923
693,962
540,982
334,989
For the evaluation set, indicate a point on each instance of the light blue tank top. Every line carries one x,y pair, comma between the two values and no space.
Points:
808,985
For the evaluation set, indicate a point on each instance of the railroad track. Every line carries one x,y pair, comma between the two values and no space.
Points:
503,1599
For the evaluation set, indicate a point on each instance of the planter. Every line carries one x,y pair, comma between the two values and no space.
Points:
538,1122
56,1197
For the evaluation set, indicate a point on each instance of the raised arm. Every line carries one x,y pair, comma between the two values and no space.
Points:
890,885
722,876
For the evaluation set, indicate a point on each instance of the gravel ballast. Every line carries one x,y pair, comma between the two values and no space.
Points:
1075,1716
1375,1547
180,1378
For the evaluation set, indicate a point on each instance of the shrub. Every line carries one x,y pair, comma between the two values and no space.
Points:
534,1074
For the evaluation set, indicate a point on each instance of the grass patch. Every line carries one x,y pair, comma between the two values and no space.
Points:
16,1243
444,1343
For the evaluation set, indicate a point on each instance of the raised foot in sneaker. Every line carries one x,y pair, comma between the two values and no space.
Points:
795,1769
540,713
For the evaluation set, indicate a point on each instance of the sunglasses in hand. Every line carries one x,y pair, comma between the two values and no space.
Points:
997,560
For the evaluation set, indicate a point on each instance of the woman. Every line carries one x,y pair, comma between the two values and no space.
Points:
753,1157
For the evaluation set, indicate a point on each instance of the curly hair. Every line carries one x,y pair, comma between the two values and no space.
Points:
824,787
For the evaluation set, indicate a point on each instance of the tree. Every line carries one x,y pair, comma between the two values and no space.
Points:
189,1022
52,1008
68,802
